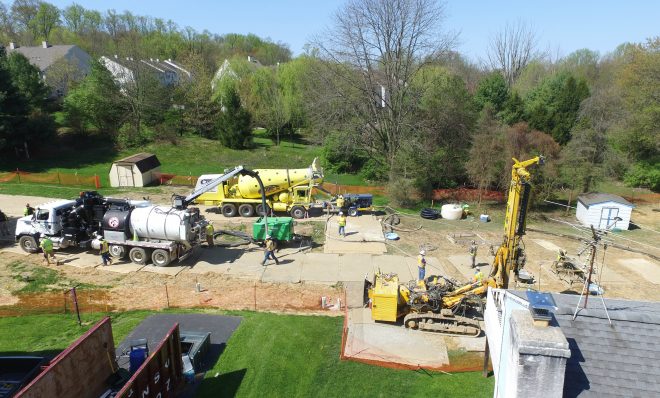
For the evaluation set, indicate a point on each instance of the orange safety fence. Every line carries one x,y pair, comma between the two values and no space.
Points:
19,176
173,179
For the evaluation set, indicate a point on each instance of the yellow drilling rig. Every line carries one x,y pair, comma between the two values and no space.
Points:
433,304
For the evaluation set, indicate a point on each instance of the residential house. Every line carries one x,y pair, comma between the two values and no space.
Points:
125,70
50,57
548,345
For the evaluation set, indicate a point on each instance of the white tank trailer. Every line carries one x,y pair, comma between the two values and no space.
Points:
157,232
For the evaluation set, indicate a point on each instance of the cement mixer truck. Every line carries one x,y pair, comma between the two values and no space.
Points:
286,190
137,228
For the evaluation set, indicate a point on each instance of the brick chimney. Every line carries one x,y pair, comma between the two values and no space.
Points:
44,44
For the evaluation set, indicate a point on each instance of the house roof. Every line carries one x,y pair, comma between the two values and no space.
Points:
618,360
596,198
144,161
41,57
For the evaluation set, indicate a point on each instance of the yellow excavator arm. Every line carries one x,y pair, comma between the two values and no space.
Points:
507,256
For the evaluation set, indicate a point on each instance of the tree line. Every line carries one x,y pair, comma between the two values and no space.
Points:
385,93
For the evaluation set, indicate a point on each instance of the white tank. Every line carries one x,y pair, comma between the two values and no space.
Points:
451,212
162,223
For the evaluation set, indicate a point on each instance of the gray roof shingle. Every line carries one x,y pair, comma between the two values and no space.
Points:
41,57
618,360
595,198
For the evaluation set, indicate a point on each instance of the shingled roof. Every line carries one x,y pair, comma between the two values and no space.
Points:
42,57
618,360
595,198
144,161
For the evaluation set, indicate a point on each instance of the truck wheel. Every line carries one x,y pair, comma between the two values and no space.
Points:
160,257
117,251
228,210
352,211
138,255
246,210
298,212
28,244
260,209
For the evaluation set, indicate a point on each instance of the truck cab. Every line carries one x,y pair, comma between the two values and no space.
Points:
46,220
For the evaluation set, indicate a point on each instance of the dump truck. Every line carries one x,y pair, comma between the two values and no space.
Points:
286,190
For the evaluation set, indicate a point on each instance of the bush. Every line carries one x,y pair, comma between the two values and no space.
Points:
374,170
644,174
341,155
402,193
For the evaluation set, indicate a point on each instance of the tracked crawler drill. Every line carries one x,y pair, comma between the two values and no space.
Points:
434,304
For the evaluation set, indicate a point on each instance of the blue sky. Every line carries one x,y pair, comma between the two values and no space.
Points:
562,26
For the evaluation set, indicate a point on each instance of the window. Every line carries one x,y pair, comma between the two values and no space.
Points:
42,215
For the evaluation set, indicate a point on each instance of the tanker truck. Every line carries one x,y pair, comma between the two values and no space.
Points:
137,228
286,190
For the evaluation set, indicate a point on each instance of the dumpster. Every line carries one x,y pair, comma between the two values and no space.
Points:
280,228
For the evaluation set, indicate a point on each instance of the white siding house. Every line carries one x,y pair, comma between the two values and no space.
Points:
134,171
601,209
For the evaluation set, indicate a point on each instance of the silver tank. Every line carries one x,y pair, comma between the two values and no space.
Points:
162,223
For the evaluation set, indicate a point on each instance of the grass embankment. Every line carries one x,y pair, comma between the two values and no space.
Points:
191,155
268,355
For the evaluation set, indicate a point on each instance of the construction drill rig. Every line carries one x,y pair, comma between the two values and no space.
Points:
434,304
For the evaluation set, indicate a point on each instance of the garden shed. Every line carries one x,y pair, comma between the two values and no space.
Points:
601,209
135,171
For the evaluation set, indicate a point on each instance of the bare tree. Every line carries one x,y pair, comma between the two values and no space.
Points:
512,49
370,57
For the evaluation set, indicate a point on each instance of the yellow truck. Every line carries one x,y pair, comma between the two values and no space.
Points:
287,190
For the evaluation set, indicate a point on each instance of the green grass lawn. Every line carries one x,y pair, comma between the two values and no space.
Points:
191,155
268,355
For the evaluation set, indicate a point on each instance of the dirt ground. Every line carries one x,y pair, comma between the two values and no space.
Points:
622,273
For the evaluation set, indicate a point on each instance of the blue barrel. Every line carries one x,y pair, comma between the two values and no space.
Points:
137,357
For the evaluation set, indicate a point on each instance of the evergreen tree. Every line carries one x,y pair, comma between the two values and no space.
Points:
233,127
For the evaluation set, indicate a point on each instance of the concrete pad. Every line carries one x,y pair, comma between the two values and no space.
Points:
354,294
476,344
463,263
340,247
433,266
645,268
248,266
363,235
13,205
547,245
171,270
392,343
122,268
288,270
320,267
354,267
79,260
396,264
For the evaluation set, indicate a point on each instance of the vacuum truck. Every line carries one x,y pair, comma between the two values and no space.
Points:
286,190
137,228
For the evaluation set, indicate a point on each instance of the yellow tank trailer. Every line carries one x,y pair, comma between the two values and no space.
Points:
287,190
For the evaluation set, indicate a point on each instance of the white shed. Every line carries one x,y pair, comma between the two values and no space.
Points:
134,171
600,210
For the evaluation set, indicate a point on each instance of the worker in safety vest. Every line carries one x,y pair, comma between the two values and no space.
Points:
342,224
421,265
270,250
209,234
340,202
478,276
104,251
473,253
29,210
47,246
